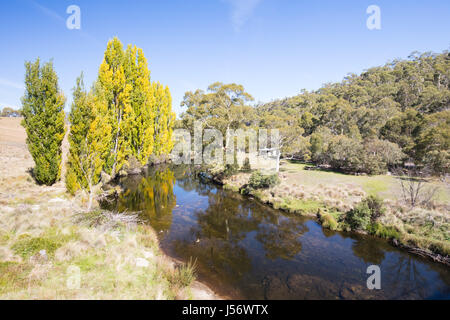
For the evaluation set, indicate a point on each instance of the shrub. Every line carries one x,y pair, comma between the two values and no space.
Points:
367,211
376,208
230,169
359,217
387,232
27,247
261,181
328,221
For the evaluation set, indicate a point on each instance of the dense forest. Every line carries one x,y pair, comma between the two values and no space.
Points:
386,116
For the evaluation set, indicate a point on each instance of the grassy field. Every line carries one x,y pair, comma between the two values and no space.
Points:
51,249
384,186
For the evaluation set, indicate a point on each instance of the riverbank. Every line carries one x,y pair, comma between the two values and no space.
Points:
328,197
51,249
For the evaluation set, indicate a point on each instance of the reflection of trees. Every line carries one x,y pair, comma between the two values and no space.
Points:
226,259
222,228
408,281
185,177
282,240
151,195
219,230
369,250
225,218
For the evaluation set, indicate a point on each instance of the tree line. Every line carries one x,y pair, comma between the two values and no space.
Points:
124,117
10,112
386,116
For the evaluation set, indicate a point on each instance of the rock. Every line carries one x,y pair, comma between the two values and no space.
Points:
105,178
39,258
7,209
122,173
148,254
43,254
141,262
134,171
200,291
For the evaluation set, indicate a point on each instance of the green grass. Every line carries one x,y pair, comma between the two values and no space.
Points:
385,186
184,275
27,246
387,232
375,186
304,207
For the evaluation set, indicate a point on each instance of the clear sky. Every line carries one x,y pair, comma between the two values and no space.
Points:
274,48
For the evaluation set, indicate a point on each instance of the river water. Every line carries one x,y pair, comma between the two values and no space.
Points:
246,250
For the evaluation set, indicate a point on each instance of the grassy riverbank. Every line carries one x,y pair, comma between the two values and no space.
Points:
47,240
330,196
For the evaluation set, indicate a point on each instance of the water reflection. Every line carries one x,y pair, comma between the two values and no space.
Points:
150,195
255,252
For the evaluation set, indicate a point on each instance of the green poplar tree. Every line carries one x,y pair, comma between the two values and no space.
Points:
89,139
43,111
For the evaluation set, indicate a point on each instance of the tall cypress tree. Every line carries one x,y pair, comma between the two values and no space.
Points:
43,111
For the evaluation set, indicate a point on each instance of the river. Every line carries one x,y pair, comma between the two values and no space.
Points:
247,250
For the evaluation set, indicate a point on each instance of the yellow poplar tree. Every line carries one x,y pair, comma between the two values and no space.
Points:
164,120
142,100
116,93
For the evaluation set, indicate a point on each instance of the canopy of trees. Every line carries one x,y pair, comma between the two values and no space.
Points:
366,123
10,112
123,116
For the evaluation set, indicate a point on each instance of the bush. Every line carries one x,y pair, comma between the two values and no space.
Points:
261,181
359,217
328,221
383,232
375,205
230,169
367,211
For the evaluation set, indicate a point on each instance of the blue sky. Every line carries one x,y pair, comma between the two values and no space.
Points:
274,48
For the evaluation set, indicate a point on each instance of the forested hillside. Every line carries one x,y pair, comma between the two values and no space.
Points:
380,118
